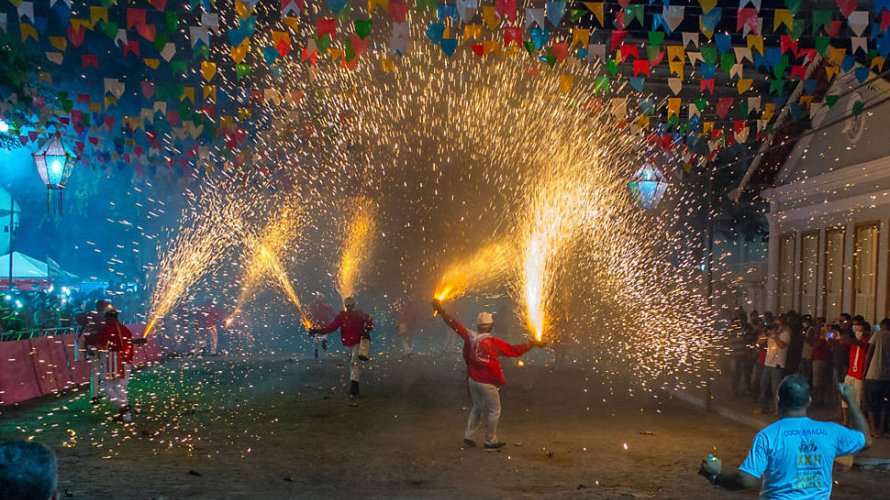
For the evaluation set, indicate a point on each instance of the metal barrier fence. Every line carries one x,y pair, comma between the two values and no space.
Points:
37,333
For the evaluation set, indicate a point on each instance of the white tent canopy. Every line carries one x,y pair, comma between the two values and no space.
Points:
23,267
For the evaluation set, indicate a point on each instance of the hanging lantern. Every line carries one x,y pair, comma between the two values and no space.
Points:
54,164
648,186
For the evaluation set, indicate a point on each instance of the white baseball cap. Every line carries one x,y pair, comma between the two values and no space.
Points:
484,318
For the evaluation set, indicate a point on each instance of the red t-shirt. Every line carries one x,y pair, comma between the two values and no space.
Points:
857,359
208,316
821,349
352,324
116,337
481,354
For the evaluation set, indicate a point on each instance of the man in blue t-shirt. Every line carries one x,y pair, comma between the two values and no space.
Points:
794,455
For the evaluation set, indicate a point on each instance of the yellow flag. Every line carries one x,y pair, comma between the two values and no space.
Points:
208,70
387,65
209,92
676,53
79,24
188,93
240,52
768,111
566,82
783,17
278,36
676,67
831,72
27,31
755,42
674,106
383,4
472,32
491,46
580,36
707,5
597,9
59,42
806,100
835,55
242,10
291,22
110,101
744,84
152,62
877,63
490,17
98,14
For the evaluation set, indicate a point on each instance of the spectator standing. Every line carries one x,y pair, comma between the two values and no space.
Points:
794,456
858,356
773,366
821,351
877,378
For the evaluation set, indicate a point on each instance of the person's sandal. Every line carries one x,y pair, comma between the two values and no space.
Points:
469,443
494,446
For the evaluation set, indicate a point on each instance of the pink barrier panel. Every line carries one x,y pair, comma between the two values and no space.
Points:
32,368
79,370
60,362
44,368
18,381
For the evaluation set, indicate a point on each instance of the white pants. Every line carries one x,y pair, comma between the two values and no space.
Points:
354,364
117,388
486,409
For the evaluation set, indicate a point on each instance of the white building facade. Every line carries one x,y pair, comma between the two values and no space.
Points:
829,209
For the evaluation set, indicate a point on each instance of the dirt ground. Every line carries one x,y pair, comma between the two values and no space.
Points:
282,427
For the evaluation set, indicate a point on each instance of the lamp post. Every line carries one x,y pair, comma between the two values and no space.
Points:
54,164
12,227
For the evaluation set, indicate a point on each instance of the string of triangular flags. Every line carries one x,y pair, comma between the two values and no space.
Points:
159,76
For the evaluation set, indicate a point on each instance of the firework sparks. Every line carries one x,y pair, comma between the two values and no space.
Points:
358,245
265,251
482,269
207,233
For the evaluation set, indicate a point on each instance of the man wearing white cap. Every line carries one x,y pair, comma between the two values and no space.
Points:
354,325
484,374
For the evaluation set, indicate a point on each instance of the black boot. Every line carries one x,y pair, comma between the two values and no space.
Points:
353,388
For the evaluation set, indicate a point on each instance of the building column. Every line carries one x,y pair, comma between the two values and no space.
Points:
820,276
797,280
883,253
849,245
772,276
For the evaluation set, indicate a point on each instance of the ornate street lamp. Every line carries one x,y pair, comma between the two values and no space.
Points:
648,185
54,164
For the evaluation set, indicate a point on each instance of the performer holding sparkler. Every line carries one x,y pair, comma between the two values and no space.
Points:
484,374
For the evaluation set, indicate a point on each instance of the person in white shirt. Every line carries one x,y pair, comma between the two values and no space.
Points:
877,378
773,366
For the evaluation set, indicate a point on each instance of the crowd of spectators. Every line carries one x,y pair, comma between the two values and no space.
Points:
845,350
24,311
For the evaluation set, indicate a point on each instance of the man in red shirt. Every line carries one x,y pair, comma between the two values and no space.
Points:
115,345
320,314
858,355
354,325
485,376
207,318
